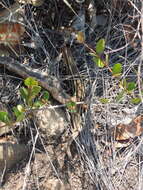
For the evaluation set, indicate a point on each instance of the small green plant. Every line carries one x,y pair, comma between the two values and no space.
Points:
99,57
128,88
4,117
117,70
102,60
100,46
135,100
71,106
32,98
104,100
30,92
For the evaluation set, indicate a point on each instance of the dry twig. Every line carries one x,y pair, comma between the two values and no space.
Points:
50,83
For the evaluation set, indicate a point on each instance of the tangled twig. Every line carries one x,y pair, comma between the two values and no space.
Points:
50,83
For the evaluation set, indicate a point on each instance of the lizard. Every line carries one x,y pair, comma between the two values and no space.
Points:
79,96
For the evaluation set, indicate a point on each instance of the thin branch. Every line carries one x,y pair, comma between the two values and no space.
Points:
141,56
50,83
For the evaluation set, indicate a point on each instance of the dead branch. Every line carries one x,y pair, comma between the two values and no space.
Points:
50,83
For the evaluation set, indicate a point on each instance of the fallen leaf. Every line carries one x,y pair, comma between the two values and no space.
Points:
80,37
121,133
11,33
133,129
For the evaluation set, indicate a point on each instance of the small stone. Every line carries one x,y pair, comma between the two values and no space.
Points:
54,184
51,122
11,154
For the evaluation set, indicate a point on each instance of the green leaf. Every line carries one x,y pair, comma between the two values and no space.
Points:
123,84
128,86
38,104
20,108
100,46
46,95
24,93
16,111
29,82
104,100
72,110
98,62
19,112
135,100
20,117
35,91
131,86
107,58
117,69
4,117
71,106
120,96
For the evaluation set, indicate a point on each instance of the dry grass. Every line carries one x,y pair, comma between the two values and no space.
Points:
105,166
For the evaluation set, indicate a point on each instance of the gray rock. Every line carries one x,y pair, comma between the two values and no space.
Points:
53,122
11,154
56,184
